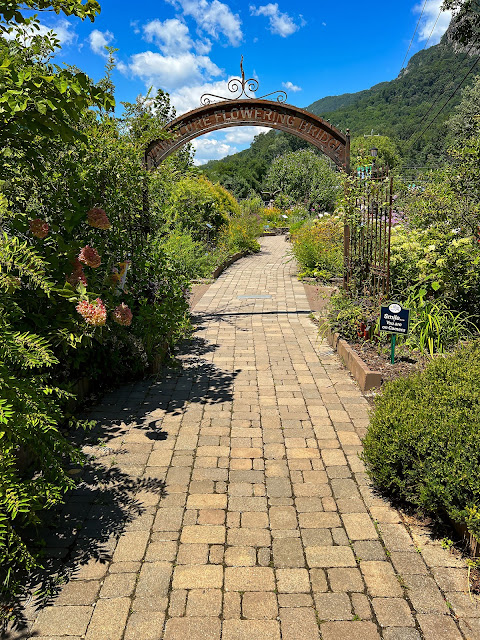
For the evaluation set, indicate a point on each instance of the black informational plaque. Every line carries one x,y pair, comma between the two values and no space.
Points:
394,319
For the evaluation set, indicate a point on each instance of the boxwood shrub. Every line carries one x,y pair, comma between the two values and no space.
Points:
423,442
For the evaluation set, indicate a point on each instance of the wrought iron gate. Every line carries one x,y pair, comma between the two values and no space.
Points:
367,233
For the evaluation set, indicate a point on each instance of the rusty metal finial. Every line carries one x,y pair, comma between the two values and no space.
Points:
242,87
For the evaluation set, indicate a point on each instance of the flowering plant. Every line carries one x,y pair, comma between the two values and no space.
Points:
94,313
98,218
122,315
90,257
39,228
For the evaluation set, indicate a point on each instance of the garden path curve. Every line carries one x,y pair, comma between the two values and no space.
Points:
226,500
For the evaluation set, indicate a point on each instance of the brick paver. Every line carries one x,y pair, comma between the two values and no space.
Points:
226,500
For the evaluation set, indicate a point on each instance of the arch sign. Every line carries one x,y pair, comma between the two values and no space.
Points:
251,111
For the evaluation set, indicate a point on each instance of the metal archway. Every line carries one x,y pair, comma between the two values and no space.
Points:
250,111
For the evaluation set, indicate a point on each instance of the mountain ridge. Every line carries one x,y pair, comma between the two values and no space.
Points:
398,108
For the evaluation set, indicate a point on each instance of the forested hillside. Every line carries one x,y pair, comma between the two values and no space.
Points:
400,109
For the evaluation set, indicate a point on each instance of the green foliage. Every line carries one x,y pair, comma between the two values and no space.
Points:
304,177
33,453
241,233
423,442
422,256
388,152
37,98
243,173
195,202
12,11
345,315
192,258
433,326
317,245
463,123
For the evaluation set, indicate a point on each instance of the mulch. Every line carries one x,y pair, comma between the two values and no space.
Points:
378,359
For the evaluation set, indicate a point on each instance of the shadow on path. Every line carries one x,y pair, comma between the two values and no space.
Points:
86,528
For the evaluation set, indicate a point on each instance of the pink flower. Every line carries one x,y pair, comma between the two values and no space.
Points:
90,256
98,218
39,228
122,315
93,313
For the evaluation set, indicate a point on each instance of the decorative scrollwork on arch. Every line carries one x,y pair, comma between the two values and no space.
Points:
243,88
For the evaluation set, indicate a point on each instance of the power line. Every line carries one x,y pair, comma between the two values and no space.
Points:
433,29
411,41
446,102
439,96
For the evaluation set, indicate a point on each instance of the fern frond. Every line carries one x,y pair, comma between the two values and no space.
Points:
26,350
19,257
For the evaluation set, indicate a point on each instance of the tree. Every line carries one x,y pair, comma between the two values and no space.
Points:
464,121
388,153
465,27
304,178
39,99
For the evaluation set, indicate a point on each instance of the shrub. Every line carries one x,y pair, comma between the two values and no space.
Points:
345,315
193,258
195,203
317,246
241,233
423,442
439,255
272,216
33,453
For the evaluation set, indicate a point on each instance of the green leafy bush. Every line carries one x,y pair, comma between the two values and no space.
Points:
193,258
345,315
423,442
33,453
241,233
303,177
195,203
317,246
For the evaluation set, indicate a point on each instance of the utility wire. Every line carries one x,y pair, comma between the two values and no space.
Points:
411,41
439,96
433,29
445,103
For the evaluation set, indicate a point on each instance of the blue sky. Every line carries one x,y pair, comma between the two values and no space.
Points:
186,47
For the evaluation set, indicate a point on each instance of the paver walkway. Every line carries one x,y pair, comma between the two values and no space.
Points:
265,526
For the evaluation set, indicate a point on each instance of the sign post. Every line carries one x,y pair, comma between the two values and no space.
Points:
394,319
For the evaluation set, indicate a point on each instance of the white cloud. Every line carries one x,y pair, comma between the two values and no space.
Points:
172,36
187,98
289,86
170,72
62,30
207,148
429,21
280,23
134,25
99,40
213,18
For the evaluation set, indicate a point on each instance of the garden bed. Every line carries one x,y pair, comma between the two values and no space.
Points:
404,365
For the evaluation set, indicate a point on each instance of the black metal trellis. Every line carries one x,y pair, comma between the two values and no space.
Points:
367,234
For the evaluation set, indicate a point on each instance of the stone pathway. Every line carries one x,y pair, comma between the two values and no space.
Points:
227,500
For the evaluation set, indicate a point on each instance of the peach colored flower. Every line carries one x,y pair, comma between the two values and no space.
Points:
94,313
90,256
39,228
98,218
122,315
